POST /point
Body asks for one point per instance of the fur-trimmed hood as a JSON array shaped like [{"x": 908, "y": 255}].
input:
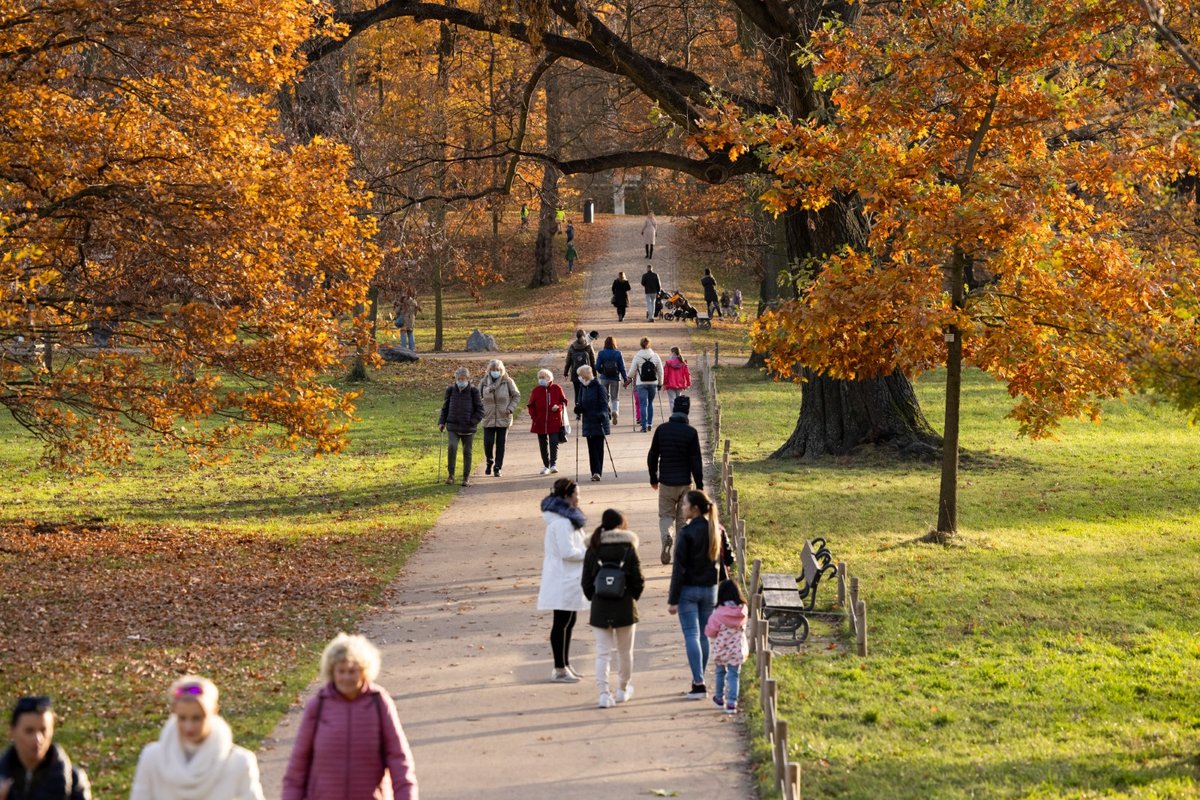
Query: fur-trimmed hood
[{"x": 618, "y": 537}]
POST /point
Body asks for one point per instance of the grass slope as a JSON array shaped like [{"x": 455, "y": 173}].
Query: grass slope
[{"x": 1054, "y": 654}]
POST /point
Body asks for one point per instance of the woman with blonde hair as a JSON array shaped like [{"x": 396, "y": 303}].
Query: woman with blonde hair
[
  {"x": 701, "y": 557},
  {"x": 195, "y": 757},
  {"x": 350, "y": 745},
  {"x": 500, "y": 399}
]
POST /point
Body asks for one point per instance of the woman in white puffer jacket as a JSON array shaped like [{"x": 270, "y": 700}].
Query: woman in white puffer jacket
[{"x": 195, "y": 757}]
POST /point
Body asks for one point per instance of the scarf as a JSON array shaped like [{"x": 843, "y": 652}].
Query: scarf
[
  {"x": 193, "y": 778},
  {"x": 559, "y": 505}
]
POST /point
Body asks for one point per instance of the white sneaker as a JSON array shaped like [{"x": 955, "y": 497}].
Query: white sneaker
[
  {"x": 606, "y": 700},
  {"x": 626, "y": 694},
  {"x": 563, "y": 676},
  {"x": 545, "y": 470},
  {"x": 553, "y": 469}
]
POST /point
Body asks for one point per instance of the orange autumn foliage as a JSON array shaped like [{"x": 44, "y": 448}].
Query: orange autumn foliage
[
  {"x": 1038, "y": 146},
  {"x": 147, "y": 195}
]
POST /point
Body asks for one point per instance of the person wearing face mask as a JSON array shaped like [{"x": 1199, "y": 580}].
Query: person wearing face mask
[
  {"x": 462, "y": 411},
  {"x": 593, "y": 410},
  {"x": 547, "y": 402},
  {"x": 500, "y": 398},
  {"x": 350, "y": 745},
  {"x": 32, "y": 767},
  {"x": 195, "y": 757}
]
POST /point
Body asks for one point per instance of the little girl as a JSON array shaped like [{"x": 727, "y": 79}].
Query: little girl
[{"x": 727, "y": 628}]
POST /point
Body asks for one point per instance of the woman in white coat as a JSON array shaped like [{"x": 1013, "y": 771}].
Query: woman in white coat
[
  {"x": 649, "y": 230},
  {"x": 195, "y": 757},
  {"x": 562, "y": 568}
]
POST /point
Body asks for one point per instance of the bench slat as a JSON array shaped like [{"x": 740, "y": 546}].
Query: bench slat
[
  {"x": 781, "y": 599},
  {"x": 778, "y": 580}
]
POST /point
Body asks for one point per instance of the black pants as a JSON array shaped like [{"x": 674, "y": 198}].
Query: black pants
[
  {"x": 621, "y": 313},
  {"x": 649, "y": 251},
  {"x": 578, "y": 384},
  {"x": 548, "y": 444},
  {"x": 596, "y": 454},
  {"x": 494, "y": 439},
  {"x": 560, "y": 637}
]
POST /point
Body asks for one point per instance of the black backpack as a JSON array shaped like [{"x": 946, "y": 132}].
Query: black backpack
[
  {"x": 648, "y": 372},
  {"x": 578, "y": 358},
  {"x": 611, "y": 369},
  {"x": 609, "y": 582}
]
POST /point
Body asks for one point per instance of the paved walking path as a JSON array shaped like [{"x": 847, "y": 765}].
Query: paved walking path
[{"x": 466, "y": 652}]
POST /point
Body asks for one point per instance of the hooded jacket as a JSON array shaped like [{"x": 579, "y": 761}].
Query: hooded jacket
[
  {"x": 462, "y": 409},
  {"x": 217, "y": 770},
  {"x": 343, "y": 747},
  {"x": 727, "y": 628},
  {"x": 562, "y": 561},
  {"x": 56, "y": 778},
  {"x": 613, "y": 547},
  {"x": 676, "y": 374},
  {"x": 582, "y": 346},
  {"x": 646, "y": 354},
  {"x": 675, "y": 458},
  {"x": 692, "y": 566},
  {"x": 500, "y": 399}
]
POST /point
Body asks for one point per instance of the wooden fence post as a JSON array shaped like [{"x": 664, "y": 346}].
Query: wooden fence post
[
  {"x": 792, "y": 786},
  {"x": 770, "y": 690},
  {"x": 841, "y": 573},
  {"x": 861, "y": 608},
  {"x": 780, "y": 750},
  {"x": 854, "y": 590}
]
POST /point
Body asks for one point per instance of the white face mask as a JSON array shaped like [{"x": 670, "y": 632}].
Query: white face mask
[
  {"x": 461, "y": 384},
  {"x": 495, "y": 374},
  {"x": 543, "y": 382}
]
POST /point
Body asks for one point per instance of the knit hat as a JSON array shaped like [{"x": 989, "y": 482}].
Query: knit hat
[{"x": 682, "y": 404}]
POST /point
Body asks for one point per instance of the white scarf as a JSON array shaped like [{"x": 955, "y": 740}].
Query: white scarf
[{"x": 194, "y": 778}]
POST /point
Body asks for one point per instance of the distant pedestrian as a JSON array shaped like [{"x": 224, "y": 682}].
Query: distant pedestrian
[
  {"x": 462, "y": 411},
  {"x": 547, "y": 407},
  {"x": 562, "y": 568},
  {"x": 195, "y": 756},
  {"x": 649, "y": 233},
  {"x": 677, "y": 378},
  {"x": 33, "y": 767},
  {"x": 570, "y": 231},
  {"x": 572, "y": 254},
  {"x": 350, "y": 745},
  {"x": 524, "y": 214},
  {"x": 651, "y": 286},
  {"x": 647, "y": 372},
  {"x": 620, "y": 295},
  {"x": 711, "y": 301},
  {"x": 737, "y": 301},
  {"x": 580, "y": 353},
  {"x": 613, "y": 619},
  {"x": 592, "y": 409},
  {"x": 610, "y": 367},
  {"x": 560, "y": 219},
  {"x": 676, "y": 464},
  {"x": 406, "y": 310},
  {"x": 500, "y": 397},
  {"x": 729, "y": 648},
  {"x": 701, "y": 558}
]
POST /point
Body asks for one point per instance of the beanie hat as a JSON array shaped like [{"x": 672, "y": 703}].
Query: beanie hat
[{"x": 682, "y": 404}]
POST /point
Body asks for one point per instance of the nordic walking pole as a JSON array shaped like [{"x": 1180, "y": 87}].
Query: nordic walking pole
[
  {"x": 438, "y": 477},
  {"x": 577, "y": 435},
  {"x": 611, "y": 460}
]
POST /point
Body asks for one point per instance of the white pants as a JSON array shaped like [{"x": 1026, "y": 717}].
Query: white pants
[{"x": 610, "y": 643}]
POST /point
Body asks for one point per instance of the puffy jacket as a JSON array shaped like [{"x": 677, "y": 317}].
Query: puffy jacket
[
  {"x": 462, "y": 409},
  {"x": 544, "y": 419},
  {"x": 56, "y": 778},
  {"x": 500, "y": 399},
  {"x": 593, "y": 405},
  {"x": 675, "y": 458},
  {"x": 584, "y": 347},
  {"x": 344, "y": 746},
  {"x": 676, "y": 374},
  {"x": 650, "y": 281},
  {"x": 727, "y": 628},
  {"x": 562, "y": 562},
  {"x": 692, "y": 566},
  {"x": 610, "y": 356},
  {"x": 613, "y": 547},
  {"x": 217, "y": 770}
]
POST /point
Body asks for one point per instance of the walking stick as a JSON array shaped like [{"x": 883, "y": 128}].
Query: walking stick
[
  {"x": 578, "y": 433},
  {"x": 611, "y": 460},
  {"x": 438, "y": 476}
]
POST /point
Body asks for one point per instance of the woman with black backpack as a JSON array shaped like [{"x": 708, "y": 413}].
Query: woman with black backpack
[
  {"x": 612, "y": 580},
  {"x": 579, "y": 354},
  {"x": 610, "y": 367}
]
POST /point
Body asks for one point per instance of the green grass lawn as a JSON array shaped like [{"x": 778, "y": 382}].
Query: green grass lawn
[{"x": 1054, "y": 653}]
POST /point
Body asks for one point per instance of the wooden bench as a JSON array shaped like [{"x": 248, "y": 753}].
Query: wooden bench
[
  {"x": 788, "y": 601},
  {"x": 703, "y": 321}
]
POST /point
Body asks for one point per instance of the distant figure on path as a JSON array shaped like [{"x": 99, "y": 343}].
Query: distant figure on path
[
  {"x": 350, "y": 745},
  {"x": 649, "y": 233},
  {"x": 676, "y": 464},
  {"x": 651, "y": 286},
  {"x": 547, "y": 405},
  {"x": 593, "y": 410},
  {"x": 572, "y": 254},
  {"x": 524, "y": 214},
  {"x": 711, "y": 300},
  {"x": 560, "y": 218},
  {"x": 195, "y": 756},
  {"x": 677, "y": 378},
  {"x": 33, "y": 767},
  {"x": 500, "y": 397},
  {"x": 570, "y": 231},
  {"x": 579, "y": 354},
  {"x": 620, "y": 295},
  {"x": 613, "y": 619},
  {"x": 562, "y": 567},
  {"x": 610, "y": 367},
  {"x": 462, "y": 411},
  {"x": 727, "y": 628},
  {"x": 406, "y": 320},
  {"x": 647, "y": 372}
]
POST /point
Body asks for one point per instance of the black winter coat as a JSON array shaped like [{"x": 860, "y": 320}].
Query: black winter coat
[
  {"x": 593, "y": 405},
  {"x": 692, "y": 566},
  {"x": 650, "y": 282},
  {"x": 675, "y": 458},
  {"x": 585, "y": 349},
  {"x": 462, "y": 409},
  {"x": 613, "y": 547},
  {"x": 56, "y": 778},
  {"x": 620, "y": 293}
]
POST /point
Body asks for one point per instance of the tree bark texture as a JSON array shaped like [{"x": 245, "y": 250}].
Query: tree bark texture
[{"x": 948, "y": 495}]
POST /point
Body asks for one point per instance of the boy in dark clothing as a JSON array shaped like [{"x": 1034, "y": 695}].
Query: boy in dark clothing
[{"x": 33, "y": 767}]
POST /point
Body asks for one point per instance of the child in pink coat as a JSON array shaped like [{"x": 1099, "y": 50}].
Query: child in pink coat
[{"x": 727, "y": 628}]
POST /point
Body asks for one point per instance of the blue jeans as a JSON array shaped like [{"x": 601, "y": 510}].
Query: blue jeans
[
  {"x": 728, "y": 676},
  {"x": 696, "y": 604},
  {"x": 406, "y": 340},
  {"x": 645, "y": 400}
]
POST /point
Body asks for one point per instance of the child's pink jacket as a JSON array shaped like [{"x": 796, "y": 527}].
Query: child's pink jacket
[{"x": 727, "y": 628}]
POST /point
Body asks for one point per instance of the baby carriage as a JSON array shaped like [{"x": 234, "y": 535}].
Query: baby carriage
[{"x": 676, "y": 307}]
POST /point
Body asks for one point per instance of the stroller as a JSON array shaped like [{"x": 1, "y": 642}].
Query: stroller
[{"x": 675, "y": 306}]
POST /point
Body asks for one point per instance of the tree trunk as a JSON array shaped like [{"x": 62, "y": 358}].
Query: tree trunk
[
  {"x": 773, "y": 264},
  {"x": 543, "y": 249},
  {"x": 445, "y": 52},
  {"x": 947, "y": 524}
]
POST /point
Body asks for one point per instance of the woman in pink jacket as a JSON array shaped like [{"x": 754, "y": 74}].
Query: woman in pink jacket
[{"x": 350, "y": 745}]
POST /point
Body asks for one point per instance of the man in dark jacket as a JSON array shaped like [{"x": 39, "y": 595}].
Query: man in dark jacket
[
  {"x": 580, "y": 353},
  {"x": 652, "y": 287},
  {"x": 675, "y": 463},
  {"x": 462, "y": 411},
  {"x": 33, "y": 767}
]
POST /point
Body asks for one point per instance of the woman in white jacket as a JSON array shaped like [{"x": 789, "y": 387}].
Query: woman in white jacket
[
  {"x": 195, "y": 757},
  {"x": 562, "y": 567}
]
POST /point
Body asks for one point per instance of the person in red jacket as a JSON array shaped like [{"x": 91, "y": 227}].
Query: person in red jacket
[
  {"x": 546, "y": 406},
  {"x": 350, "y": 745},
  {"x": 677, "y": 378}
]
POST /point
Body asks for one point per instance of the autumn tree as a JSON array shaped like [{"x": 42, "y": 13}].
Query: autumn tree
[{"x": 166, "y": 258}]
